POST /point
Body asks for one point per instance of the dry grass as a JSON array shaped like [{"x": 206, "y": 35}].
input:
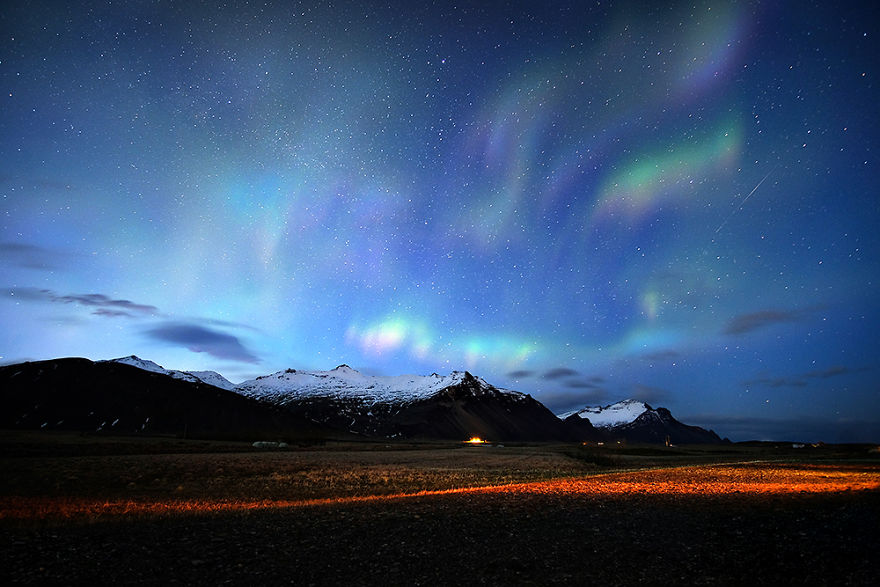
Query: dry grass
[
  {"x": 755, "y": 479},
  {"x": 134, "y": 512},
  {"x": 97, "y": 487},
  {"x": 299, "y": 474},
  {"x": 46, "y": 487}
]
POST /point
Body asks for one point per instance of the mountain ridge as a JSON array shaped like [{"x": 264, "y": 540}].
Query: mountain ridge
[
  {"x": 636, "y": 421},
  {"x": 343, "y": 382},
  {"x": 209, "y": 377},
  {"x": 78, "y": 394},
  {"x": 340, "y": 401}
]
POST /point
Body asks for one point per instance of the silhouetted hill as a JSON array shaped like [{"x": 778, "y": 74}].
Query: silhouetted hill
[{"x": 78, "y": 394}]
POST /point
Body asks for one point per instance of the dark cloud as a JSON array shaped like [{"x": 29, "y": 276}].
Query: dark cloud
[
  {"x": 31, "y": 256},
  {"x": 834, "y": 371},
  {"x": 112, "y": 313},
  {"x": 231, "y": 324},
  {"x": 740, "y": 429},
  {"x": 29, "y": 294},
  {"x": 801, "y": 380},
  {"x": 562, "y": 401},
  {"x": 748, "y": 322},
  {"x": 203, "y": 340},
  {"x": 522, "y": 374},
  {"x": 558, "y": 373},
  {"x": 104, "y": 305},
  {"x": 581, "y": 384},
  {"x": 650, "y": 394},
  {"x": 778, "y": 382},
  {"x": 102, "y": 301}
]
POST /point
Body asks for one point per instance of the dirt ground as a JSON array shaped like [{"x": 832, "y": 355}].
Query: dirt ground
[{"x": 548, "y": 518}]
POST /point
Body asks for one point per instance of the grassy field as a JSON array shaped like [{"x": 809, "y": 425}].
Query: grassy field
[
  {"x": 49, "y": 476},
  {"x": 102, "y": 508}
]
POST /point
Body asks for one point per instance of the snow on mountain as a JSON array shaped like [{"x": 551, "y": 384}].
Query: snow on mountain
[
  {"x": 343, "y": 382},
  {"x": 140, "y": 363},
  {"x": 209, "y": 377},
  {"x": 617, "y": 414}
]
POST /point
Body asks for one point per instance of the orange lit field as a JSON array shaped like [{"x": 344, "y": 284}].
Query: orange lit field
[
  {"x": 100, "y": 511},
  {"x": 745, "y": 478}
]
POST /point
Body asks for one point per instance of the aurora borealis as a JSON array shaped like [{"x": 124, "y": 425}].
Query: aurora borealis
[{"x": 582, "y": 201}]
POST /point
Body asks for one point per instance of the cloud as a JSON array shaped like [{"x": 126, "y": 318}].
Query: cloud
[
  {"x": 521, "y": 374},
  {"x": 558, "y": 373},
  {"x": 650, "y": 394},
  {"x": 111, "y": 313},
  {"x": 581, "y": 384},
  {"x": 102, "y": 301},
  {"x": 29, "y": 256},
  {"x": 229, "y": 324},
  {"x": 777, "y": 382},
  {"x": 29, "y": 294},
  {"x": 801, "y": 380},
  {"x": 745, "y": 323},
  {"x": 560, "y": 402},
  {"x": 834, "y": 371},
  {"x": 743, "y": 428},
  {"x": 104, "y": 305},
  {"x": 203, "y": 340}
]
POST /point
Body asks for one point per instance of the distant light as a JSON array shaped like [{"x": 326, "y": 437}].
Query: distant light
[{"x": 475, "y": 440}]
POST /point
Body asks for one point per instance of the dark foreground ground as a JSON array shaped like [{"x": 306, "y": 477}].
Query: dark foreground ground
[
  {"x": 474, "y": 540},
  {"x": 515, "y": 538}
]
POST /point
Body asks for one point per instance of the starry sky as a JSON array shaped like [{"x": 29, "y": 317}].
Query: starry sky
[{"x": 584, "y": 201}]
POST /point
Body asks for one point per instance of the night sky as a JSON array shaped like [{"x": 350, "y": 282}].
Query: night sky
[{"x": 585, "y": 201}]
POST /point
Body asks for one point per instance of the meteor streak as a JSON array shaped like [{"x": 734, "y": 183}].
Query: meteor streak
[{"x": 746, "y": 199}]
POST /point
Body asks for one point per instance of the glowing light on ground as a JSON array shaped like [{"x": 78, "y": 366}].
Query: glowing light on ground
[{"x": 709, "y": 480}]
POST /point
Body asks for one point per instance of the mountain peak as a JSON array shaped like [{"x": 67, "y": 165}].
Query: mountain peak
[
  {"x": 622, "y": 412},
  {"x": 208, "y": 377},
  {"x": 136, "y": 361},
  {"x": 344, "y": 383}
]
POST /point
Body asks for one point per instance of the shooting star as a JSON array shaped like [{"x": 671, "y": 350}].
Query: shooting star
[{"x": 746, "y": 199}]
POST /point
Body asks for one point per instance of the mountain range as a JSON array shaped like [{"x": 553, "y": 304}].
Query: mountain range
[{"x": 131, "y": 395}]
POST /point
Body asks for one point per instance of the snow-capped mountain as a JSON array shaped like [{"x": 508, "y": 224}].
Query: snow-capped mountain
[
  {"x": 454, "y": 406},
  {"x": 610, "y": 416},
  {"x": 636, "y": 421},
  {"x": 209, "y": 377},
  {"x": 131, "y": 394},
  {"x": 345, "y": 383}
]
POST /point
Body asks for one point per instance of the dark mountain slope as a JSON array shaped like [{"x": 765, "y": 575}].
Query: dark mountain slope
[
  {"x": 657, "y": 425},
  {"x": 78, "y": 394},
  {"x": 471, "y": 408}
]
